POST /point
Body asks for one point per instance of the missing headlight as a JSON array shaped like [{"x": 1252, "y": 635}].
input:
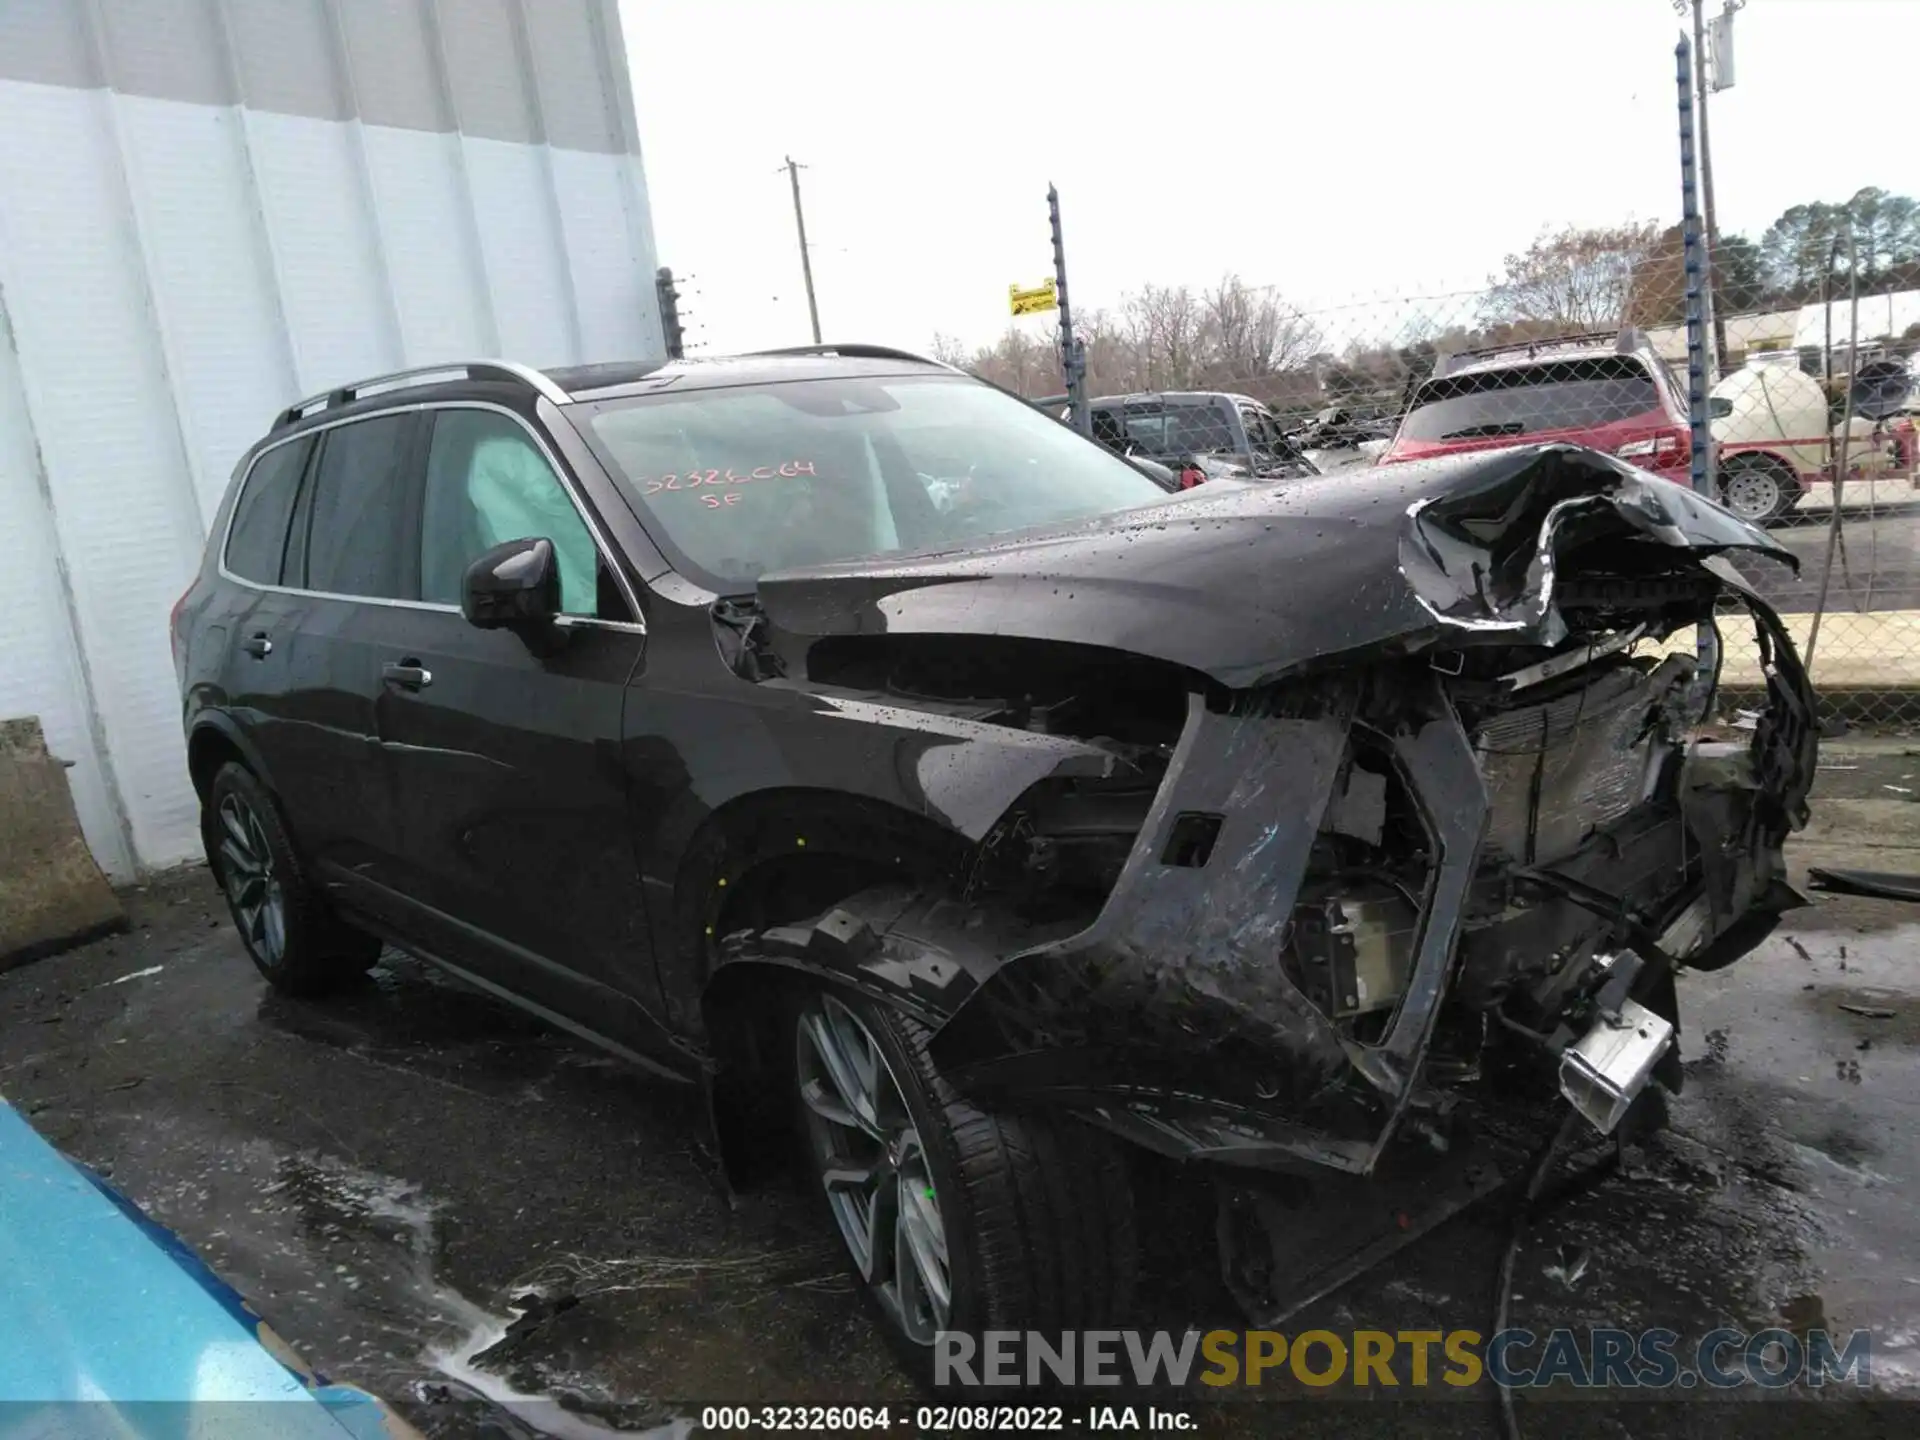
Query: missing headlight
[{"x": 1350, "y": 947}]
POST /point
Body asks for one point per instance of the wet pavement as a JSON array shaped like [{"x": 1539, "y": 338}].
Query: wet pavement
[
  {"x": 1876, "y": 565},
  {"x": 434, "y": 1196}
]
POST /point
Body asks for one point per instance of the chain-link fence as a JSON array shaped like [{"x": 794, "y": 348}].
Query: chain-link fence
[{"x": 1581, "y": 337}]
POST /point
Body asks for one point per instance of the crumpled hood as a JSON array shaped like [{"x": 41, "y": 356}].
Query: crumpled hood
[{"x": 1242, "y": 583}]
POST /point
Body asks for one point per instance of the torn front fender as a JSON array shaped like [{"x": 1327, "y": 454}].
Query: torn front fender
[
  {"x": 1483, "y": 555},
  {"x": 1175, "y": 991}
]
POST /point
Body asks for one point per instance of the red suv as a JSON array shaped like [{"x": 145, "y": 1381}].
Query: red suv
[{"x": 1612, "y": 392}]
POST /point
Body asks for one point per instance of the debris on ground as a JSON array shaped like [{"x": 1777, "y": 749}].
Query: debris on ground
[
  {"x": 1570, "y": 1266},
  {"x": 1868, "y": 1012},
  {"x": 1874, "y": 884}
]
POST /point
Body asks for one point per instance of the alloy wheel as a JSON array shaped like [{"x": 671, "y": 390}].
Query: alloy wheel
[
  {"x": 253, "y": 887},
  {"x": 870, "y": 1159},
  {"x": 1752, "y": 493}
]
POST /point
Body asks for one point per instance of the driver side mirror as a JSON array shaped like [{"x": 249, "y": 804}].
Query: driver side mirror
[{"x": 515, "y": 586}]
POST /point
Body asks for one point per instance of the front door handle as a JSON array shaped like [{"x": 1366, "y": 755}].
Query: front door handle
[
  {"x": 407, "y": 674},
  {"x": 257, "y": 645}
]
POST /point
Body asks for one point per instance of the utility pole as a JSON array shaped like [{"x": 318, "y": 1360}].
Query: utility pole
[
  {"x": 1694, "y": 266},
  {"x": 1706, "y": 640},
  {"x": 1073, "y": 355},
  {"x": 806, "y": 260}
]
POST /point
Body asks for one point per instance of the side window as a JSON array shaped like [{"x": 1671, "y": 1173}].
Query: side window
[
  {"x": 357, "y": 531},
  {"x": 488, "y": 483},
  {"x": 257, "y": 538},
  {"x": 1217, "y": 432}
]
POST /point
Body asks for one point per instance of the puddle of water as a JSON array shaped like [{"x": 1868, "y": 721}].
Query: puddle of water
[
  {"x": 540, "y": 1412},
  {"x": 338, "y": 1203}
]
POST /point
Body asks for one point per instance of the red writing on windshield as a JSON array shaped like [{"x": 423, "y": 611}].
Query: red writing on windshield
[{"x": 695, "y": 479}]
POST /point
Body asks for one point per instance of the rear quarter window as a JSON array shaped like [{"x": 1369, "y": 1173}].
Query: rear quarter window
[
  {"x": 360, "y": 532},
  {"x": 1531, "y": 399},
  {"x": 257, "y": 538}
]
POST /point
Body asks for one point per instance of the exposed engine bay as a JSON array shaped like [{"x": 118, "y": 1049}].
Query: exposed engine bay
[{"x": 1314, "y": 899}]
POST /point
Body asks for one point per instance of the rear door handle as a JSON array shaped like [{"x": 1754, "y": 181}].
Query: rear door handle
[
  {"x": 257, "y": 645},
  {"x": 407, "y": 674}
]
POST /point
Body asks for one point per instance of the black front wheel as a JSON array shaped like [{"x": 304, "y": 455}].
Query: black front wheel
[
  {"x": 953, "y": 1217},
  {"x": 291, "y": 933}
]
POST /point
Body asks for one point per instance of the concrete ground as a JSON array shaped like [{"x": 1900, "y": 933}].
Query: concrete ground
[
  {"x": 436, "y": 1197},
  {"x": 1876, "y": 564}
]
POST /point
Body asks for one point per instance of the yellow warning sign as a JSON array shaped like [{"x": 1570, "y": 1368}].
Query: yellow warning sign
[{"x": 1034, "y": 301}]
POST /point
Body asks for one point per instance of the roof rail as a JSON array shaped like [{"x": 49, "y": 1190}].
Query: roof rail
[
  {"x": 856, "y": 350},
  {"x": 1624, "y": 342},
  {"x": 471, "y": 369}
]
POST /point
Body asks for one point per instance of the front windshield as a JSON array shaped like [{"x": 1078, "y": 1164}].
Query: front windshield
[{"x": 753, "y": 478}]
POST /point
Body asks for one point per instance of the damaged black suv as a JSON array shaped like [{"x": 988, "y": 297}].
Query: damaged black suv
[{"x": 838, "y": 733}]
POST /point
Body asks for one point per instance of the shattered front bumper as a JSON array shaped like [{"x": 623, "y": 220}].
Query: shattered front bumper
[{"x": 1169, "y": 1019}]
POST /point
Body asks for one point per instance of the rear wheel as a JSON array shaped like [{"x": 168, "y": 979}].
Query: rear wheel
[
  {"x": 1758, "y": 488},
  {"x": 291, "y": 934},
  {"x": 954, "y": 1217}
]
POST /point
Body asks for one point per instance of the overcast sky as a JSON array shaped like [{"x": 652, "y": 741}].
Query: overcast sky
[{"x": 1340, "y": 150}]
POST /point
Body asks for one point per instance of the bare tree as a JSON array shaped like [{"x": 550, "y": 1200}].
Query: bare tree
[
  {"x": 1164, "y": 338},
  {"x": 1163, "y": 328},
  {"x": 1250, "y": 335},
  {"x": 951, "y": 350},
  {"x": 1112, "y": 367},
  {"x": 1571, "y": 279},
  {"x": 1024, "y": 363}
]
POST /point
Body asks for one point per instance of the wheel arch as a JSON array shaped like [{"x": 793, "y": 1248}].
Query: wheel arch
[
  {"x": 776, "y": 856},
  {"x": 213, "y": 741},
  {"x": 918, "y": 949},
  {"x": 746, "y": 1009}
]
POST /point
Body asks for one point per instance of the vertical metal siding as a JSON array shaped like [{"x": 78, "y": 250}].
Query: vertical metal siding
[{"x": 210, "y": 207}]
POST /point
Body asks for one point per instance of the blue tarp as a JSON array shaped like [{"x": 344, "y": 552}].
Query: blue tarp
[{"x": 110, "y": 1326}]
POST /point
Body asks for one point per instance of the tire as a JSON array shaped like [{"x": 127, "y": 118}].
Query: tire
[
  {"x": 1036, "y": 1212},
  {"x": 291, "y": 934},
  {"x": 1758, "y": 489}
]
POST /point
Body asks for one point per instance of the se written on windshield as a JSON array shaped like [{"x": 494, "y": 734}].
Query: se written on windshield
[{"x": 697, "y": 479}]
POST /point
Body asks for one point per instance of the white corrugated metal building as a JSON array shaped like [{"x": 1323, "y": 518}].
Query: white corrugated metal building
[{"x": 209, "y": 208}]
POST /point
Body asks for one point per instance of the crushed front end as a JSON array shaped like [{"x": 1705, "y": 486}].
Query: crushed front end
[{"x": 1468, "y": 855}]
